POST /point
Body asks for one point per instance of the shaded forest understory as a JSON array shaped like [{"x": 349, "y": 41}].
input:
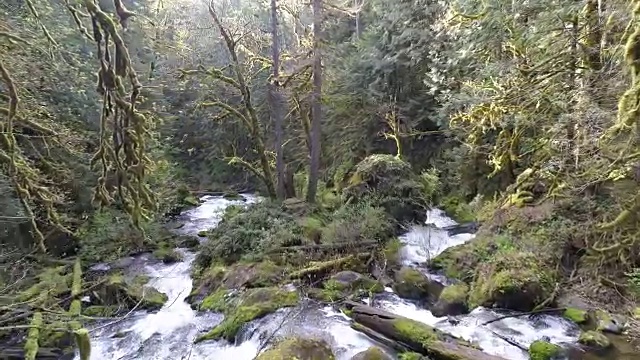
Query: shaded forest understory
[{"x": 351, "y": 118}]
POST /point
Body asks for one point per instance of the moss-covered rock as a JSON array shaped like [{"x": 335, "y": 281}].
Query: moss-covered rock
[
  {"x": 119, "y": 290},
  {"x": 411, "y": 284},
  {"x": 611, "y": 323},
  {"x": 460, "y": 262},
  {"x": 543, "y": 350},
  {"x": 191, "y": 200},
  {"x": 167, "y": 255},
  {"x": 298, "y": 349},
  {"x": 232, "y": 195},
  {"x": 512, "y": 280},
  {"x": 594, "y": 339},
  {"x": 411, "y": 356},
  {"x": 236, "y": 276},
  {"x": 576, "y": 315},
  {"x": 100, "y": 311},
  {"x": 389, "y": 182},
  {"x": 372, "y": 353},
  {"x": 457, "y": 209},
  {"x": 241, "y": 308},
  {"x": 346, "y": 284},
  {"x": 452, "y": 301}
]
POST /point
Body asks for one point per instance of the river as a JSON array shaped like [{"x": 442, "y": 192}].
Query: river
[{"x": 169, "y": 333}]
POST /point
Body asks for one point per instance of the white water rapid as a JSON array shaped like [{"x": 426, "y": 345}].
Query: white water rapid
[
  {"x": 422, "y": 243},
  {"x": 168, "y": 334}
]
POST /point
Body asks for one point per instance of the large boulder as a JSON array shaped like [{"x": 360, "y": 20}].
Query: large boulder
[
  {"x": 240, "y": 308},
  {"x": 298, "y": 349},
  {"x": 237, "y": 276},
  {"x": 452, "y": 301},
  {"x": 412, "y": 284},
  {"x": 611, "y": 323},
  {"x": 346, "y": 284},
  {"x": 511, "y": 279},
  {"x": 388, "y": 182},
  {"x": 130, "y": 292},
  {"x": 594, "y": 340}
]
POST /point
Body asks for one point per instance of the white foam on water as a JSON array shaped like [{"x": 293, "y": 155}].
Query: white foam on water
[
  {"x": 168, "y": 334},
  {"x": 421, "y": 244}
]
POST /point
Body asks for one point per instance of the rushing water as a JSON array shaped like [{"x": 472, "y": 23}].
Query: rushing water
[
  {"x": 425, "y": 242},
  {"x": 169, "y": 333}
]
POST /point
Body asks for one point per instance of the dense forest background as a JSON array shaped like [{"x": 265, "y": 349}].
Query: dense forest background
[{"x": 521, "y": 115}]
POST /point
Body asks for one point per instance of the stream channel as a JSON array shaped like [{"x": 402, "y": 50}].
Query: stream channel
[{"x": 168, "y": 334}]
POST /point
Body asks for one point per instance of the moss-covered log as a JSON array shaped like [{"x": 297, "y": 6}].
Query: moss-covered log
[
  {"x": 415, "y": 335},
  {"x": 31, "y": 343}
]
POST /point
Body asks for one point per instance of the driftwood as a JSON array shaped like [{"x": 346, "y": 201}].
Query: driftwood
[
  {"x": 466, "y": 228},
  {"x": 414, "y": 335},
  {"x": 322, "y": 268}
]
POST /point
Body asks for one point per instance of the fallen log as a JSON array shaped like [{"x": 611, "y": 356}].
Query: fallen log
[
  {"x": 415, "y": 335},
  {"x": 321, "y": 269},
  {"x": 327, "y": 247}
]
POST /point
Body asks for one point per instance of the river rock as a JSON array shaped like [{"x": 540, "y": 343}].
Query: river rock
[
  {"x": 240, "y": 308},
  {"x": 611, "y": 323},
  {"x": 236, "y": 276},
  {"x": 512, "y": 280},
  {"x": 412, "y": 284},
  {"x": 594, "y": 339},
  {"x": 544, "y": 350},
  {"x": 452, "y": 301},
  {"x": 118, "y": 290},
  {"x": 346, "y": 284},
  {"x": 298, "y": 349},
  {"x": 353, "y": 280},
  {"x": 372, "y": 353},
  {"x": 578, "y": 316}
]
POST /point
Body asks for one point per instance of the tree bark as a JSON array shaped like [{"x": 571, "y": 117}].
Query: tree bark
[
  {"x": 316, "y": 108},
  {"x": 276, "y": 104}
]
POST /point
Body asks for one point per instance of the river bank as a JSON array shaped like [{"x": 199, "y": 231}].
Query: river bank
[
  {"x": 429, "y": 293},
  {"x": 173, "y": 329}
]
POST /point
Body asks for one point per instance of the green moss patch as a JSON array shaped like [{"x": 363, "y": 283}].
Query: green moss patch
[
  {"x": 410, "y": 283},
  {"x": 452, "y": 301},
  {"x": 578, "y": 316},
  {"x": 594, "y": 339},
  {"x": 245, "y": 307},
  {"x": 346, "y": 284},
  {"x": 372, "y": 353},
  {"x": 298, "y": 349},
  {"x": 543, "y": 350},
  {"x": 513, "y": 280}
]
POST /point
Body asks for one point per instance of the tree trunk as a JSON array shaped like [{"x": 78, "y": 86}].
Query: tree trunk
[
  {"x": 394, "y": 329},
  {"x": 276, "y": 103},
  {"x": 316, "y": 109}
]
